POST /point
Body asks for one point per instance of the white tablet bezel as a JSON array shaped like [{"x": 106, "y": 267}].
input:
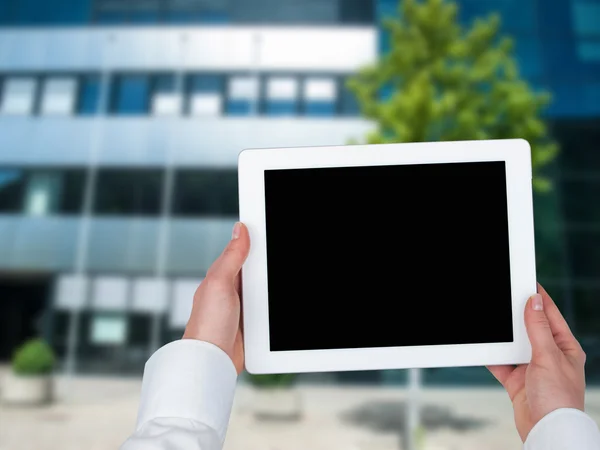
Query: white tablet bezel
[{"x": 252, "y": 163}]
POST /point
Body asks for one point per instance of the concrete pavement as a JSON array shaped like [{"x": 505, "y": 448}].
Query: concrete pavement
[{"x": 99, "y": 413}]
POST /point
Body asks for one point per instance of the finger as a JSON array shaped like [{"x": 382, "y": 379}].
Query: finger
[
  {"x": 563, "y": 336},
  {"x": 228, "y": 265},
  {"x": 538, "y": 326},
  {"x": 502, "y": 373}
]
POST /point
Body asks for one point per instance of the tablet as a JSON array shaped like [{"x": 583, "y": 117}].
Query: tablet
[{"x": 387, "y": 256}]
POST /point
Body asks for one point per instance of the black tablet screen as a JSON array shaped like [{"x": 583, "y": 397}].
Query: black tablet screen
[{"x": 388, "y": 256}]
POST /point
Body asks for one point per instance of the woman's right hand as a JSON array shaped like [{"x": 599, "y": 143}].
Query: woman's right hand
[{"x": 555, "y": 376}]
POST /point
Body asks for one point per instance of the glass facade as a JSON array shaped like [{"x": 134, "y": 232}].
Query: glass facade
[
  {"x": 197, "y": 94},
  {"x": 131, "y": 95},
  {"x": 198, "y": 192},
  {"x": 144, "y": 12},
  {"x": 557, "y": 45},
  {"x": 557, "y": 48}
]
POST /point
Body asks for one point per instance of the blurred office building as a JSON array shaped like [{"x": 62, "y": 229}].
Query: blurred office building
[{"x": 120, "y": 126}]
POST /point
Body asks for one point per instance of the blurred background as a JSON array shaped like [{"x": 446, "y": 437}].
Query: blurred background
[{"x": 120, "y": 126}]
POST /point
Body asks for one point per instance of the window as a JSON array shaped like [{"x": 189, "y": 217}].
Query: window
[
  {"x": 43, "y": 193},
  {"x": 242, "y": 96},
  {"x": 319, "y": 97},
  {"x": 357, "y": 11},
  {"x": 349, "y": 104},
  {"x": 194, "y": 11},
  {"x": 144, "y": 11},
  {"x": 150, "y": 295},
  {"x": 206, "y": 193},
  {"x": 128, "y": 191},
  {"x": 587, "y": 313},
  {"x": 183, "y": 297},
  {"x": 584, "y": 243},
  {"x": 591, "y": 94},
  {"x": 110, "y": 293},
  {"x": 166, "y": 98},
  {"x": 589, "y": 51},
  {"x": 282, "y": 96},
  {"x": 586, "y": 18},
  {"x": 131, "y": 94},
  {"x": 108, "y": 329},
  {"x": 111, "y": 11},
  {"x": 58, "y": 96},
  {"x": 581, "y": 194},
  {"x": 88, "y": 102},
  {"x": 205, "y": 95},
  {"x": 18, "y": 96},
  {"x": 152, "y": 11},
  {"x": 118, "y": 11},
  {"x": 528, "y": 54},
  {"x": 71, "y": 292},
  {"x": 54, "y": 191},
  {"x": 12, "y": 184}
]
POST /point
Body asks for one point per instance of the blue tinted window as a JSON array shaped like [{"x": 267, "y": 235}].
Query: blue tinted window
[
  {"x": 586, "y": 18},
  {"x": 12, "y": 185},
  {"x": 240, "y": 108},
  {"x": 212, "y": 17},
  {"x": 35, "y": 12},
  {"x": 164, "y": 83},
  {"x": 281, "y": 108},
  {"x": 589, "y": 51},
  {"x": 131, "y": 94},
  {"x": 89, "y": 95},
  {"x": 349, "y": 104},
  {"x": 319, "y": 108},
  {"x": 592, "y": 97},
  {"x": 243, "y": 96},
  {"x": 144, "y": 11},
  {"x": 119, "y": 11},
  {"x": 205, "y": 83},
  {"x": 110, "y": 16},
  {"x": 516, "y": 15},
  {"x": 528, "y": 55}
]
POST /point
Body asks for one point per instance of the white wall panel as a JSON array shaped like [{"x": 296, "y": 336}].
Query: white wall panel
[
  {"x": 337, "y": 49},
  {"x": 110, "y": 293},
  {"x": 71, "y": 292},
  {"x": 183, "y": 298},
  {"x": 210, "y": 142},
  {"x": 150, "y": 295}
]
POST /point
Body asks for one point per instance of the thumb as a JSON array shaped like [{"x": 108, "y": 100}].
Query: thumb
[
  {"x": 538, "y": 327},
  {"x": 229, "y": 264}
]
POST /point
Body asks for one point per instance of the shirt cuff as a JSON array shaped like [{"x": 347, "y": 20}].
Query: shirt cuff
[
  {"x": 564, "y": 428},
  {"x": 189, "y": 379}
]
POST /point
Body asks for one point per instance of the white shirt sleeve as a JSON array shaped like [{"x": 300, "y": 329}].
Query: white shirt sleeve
[
  {"x": 187, "y": 394},
  {"x": 564, "y": 429}
]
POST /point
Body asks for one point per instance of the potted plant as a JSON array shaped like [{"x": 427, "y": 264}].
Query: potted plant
[
  {"x": 275, "y": 397},
  {"x": 29, "y": 382}
]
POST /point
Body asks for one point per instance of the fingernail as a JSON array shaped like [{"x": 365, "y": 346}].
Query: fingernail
[
  {"x": 237, "y": 228},
  {"x": 537, "y": 303}
]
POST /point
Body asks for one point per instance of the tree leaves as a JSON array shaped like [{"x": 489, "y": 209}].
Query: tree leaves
[{"x": 442, "y": 82}]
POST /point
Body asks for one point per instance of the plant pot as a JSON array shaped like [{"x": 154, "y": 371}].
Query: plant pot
[
  {"x": 27, "y": 390},
  {"x": 277, "y": 404}
]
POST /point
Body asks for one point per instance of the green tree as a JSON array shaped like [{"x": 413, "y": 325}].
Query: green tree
[{"x": 441, "y": 82}]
